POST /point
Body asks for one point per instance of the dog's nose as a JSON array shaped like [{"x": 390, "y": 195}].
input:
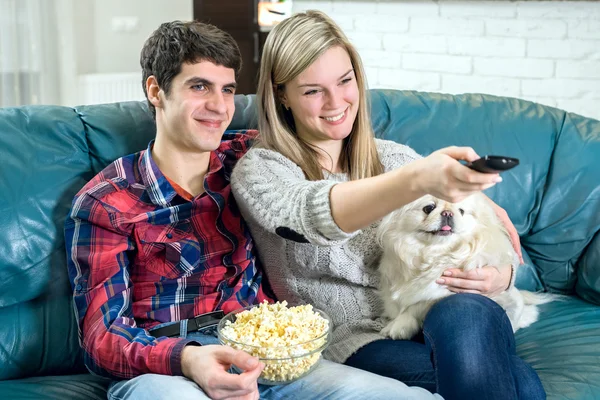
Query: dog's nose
[{"x": 447, "y": 213}]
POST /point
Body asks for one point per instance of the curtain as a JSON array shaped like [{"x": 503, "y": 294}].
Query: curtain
[{"x": 29, "y": 63}]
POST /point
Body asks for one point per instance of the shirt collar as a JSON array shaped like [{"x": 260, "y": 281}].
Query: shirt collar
[{"x": 158, "y": 187}]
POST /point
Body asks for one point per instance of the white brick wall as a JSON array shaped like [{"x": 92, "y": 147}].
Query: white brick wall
[{"x": 544, "y": 51}]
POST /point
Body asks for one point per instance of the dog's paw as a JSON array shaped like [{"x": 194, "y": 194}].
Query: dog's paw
[{"x": 402, "y": 327}]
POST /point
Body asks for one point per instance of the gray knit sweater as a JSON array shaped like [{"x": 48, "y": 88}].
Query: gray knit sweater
[{"x": 306, "y": 256}]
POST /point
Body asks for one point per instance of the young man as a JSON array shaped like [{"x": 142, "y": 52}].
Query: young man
[{"x": 155, "y": 243}]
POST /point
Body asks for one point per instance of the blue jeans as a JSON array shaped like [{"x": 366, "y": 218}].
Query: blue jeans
[
  {"x": 467, "y": 351},
  {"x": 328, "y": 381}
]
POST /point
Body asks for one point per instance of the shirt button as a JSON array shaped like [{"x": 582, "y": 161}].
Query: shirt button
[
  {"x": 169, "y": 236},
  {"x": 78, "y": 287}
]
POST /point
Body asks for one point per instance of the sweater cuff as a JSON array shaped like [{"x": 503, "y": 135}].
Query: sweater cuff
[
  {"x": 513, "y": 270},
  {"x": 512, "y": 277},
  {"x": 321, "y": 218},
  {"x": 174, "y": 359}
]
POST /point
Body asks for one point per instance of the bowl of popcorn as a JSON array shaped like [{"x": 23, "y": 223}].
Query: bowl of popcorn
[{"x": 288, "y": 340}]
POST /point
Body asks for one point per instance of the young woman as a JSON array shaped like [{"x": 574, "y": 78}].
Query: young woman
[{"x": 313, "y": 191}]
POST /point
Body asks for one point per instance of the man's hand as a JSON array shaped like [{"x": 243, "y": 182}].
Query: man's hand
[
  {"x": 488, "y": 281},
  {"x": 208, "y": 366}
]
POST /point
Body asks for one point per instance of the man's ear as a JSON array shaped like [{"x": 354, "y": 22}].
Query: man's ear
[{"x": 154, "y": 91}]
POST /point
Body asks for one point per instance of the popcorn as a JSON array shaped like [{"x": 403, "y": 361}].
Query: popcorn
[{"x": 288, "y": 340}]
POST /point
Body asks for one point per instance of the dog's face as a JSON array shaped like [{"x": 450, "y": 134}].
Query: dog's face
[{"x": 434, "y": 221}]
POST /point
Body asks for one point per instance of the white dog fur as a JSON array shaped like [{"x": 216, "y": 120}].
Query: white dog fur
[{"x": 424, "y": 238}]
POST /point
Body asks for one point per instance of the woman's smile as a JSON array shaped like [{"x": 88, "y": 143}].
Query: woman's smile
[{"x": 337, "y": 119}]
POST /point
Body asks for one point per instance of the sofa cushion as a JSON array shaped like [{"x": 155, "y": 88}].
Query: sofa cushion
[
  {"x": 115, "y": 130},
  {"x": 44, "y": 163},
  {"x": 564, "y": 348},
  {"x": 588, "y": 272},
  {"x": 74, "y": 387},
  {"x": 569, "y": 213}
]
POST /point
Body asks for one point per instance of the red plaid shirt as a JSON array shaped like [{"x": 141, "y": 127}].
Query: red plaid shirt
[{"x": 140, "y": 254}]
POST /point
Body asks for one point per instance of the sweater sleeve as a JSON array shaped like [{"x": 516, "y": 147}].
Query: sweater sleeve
[
  {"x": 394, "y": 155},
  {"x": 273, "y": 192}
]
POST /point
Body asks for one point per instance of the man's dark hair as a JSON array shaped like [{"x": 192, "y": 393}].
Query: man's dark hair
[{"x": 175, "y": 43}]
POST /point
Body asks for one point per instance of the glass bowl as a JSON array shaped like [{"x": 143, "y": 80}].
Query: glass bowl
[{"x": 283, "y": 363}]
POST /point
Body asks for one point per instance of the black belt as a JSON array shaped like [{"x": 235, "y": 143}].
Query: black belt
[{"x": 196, "y": 323}]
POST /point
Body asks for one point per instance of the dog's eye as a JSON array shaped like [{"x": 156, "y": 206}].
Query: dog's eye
[
  {"x": 428, "y": 209},
  {"x": 462, "y": 212}
]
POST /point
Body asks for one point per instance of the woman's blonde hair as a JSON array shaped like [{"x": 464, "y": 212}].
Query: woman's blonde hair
[{"x": 291, "y": 47}]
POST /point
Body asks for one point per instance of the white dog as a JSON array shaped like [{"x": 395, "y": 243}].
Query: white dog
[{"x": 424, "y": 238}]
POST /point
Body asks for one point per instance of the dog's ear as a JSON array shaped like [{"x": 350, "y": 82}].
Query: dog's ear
[
  {"x": 384, "y": 227},
  {"x": 386, "y": 230}
]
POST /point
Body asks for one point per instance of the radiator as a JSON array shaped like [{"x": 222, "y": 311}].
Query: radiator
[{"x": 109, "y": 88}]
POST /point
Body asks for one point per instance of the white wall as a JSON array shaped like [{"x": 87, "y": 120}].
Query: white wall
[
  {"x": 118, "y": 46},
  {"x": 547, "y": 51},
  {"x": 76, "y": 44},
  {"x": 105, "y": 37},
  {"x": 96, "y": 40}
]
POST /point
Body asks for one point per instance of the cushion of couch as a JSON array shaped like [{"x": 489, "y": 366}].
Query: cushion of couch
[
  {"x": 73, "y": 387},
  {"x": 564, "y": 348},
  {"x": 569, "y": 212},
  {"x": 44, "y": 163},
  {"x": 116, "y": 129},
  {"x": 588, "y": 272}
]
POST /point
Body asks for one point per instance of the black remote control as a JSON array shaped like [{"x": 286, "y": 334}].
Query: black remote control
[{"x": 493, "y": 164}]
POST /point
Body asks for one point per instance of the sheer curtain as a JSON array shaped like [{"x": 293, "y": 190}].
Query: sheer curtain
[{"x": 29, "y": 63}]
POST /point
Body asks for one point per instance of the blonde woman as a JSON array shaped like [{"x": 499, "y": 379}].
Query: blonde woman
[{"x": 313, "y": 191}]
